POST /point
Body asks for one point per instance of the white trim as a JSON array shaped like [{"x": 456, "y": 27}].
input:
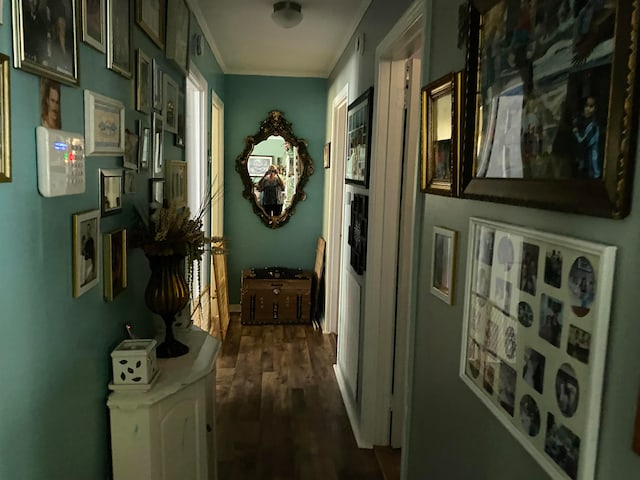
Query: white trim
[
  {"x": 194, "y": 5},
  {"x": 384, "y": 204},
  {"x": 336, "y": 202},
  {"x": 351, "y": 409}
]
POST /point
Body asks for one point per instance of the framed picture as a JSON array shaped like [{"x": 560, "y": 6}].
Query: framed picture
[
  {"x": 32, "y": 51},
  {"x": 177, "y": 38},
  {"x": 115, "y": 263},
  {"x": 157, "y": 144},
  {"x": 156, "y": 192},
  {"x": 1, "y": 17},
  {"x": 550, "y": 120},
  {"x": 103, "y": 124},
  {"x": 50, "y": 105},
  {"x": 119, "y": 37},
  {"x": 157, "y": 86},
  {"x": 86, "y": 263},
  {"x": 357, "y": 235},
  {"x": 257, "y": 165},
  {"x": 131, "y": 158},
  {"x": 179, "y": 140},
  {"x": 144, "y": 76},
  {"x": 111, "y": 188},
  {"x": 144, "y": 144},
  {"x": 5, "y": 120},
  {"x": 150, "y": 18},
  {"x": 443, "y": 258},
  {"x": 170, "y": 108},
  {"x": 534, "y": 339},
  {"x": 327, "y": 155},
  {"x": 93, "y": 23},
  {"x": 359, "y": 119},
  {"x": 178, "y": 196},
  {"x": 440, "y": 135}
]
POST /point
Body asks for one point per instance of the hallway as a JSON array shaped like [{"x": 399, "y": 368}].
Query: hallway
[{"x": 279, "y": 411}]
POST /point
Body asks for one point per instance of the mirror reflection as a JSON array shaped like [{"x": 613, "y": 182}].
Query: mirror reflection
[{"x": 274, "y": 168}]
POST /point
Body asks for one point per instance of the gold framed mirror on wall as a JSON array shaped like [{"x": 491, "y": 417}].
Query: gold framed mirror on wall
[{"x": 274, "y": 166}]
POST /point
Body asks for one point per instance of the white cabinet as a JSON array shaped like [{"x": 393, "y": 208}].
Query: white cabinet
[{"x": 168, "y": 432}]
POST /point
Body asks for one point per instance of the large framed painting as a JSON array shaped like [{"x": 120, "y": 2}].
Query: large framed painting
[
  {"x": 119, "y": 48},
  {"x": 550, "y": 107},
  {"x": 177, "y": 38},
  {"x": 150, "y": 18},
  {"x": 45, "y": 39},
  {"x": 114, "y": 263},
  {"x": 534, "y": 339},
  {"x": 5, "y": 120},
  {"x": 359, "y": 119}
]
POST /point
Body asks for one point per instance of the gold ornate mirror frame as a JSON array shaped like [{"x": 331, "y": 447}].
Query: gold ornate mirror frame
[{"x": 274, "y": 125}]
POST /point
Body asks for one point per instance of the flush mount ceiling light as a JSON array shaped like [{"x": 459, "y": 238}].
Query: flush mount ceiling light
[{"x": 287, "y": 14}]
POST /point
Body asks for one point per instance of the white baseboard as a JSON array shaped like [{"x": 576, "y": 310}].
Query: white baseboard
[{"x": 351, "y": 410}]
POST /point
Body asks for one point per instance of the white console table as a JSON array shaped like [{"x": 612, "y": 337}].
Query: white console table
[{"x": 168, "y": 432}]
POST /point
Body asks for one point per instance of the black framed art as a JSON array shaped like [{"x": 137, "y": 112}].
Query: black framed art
[
  {"x": 549, "y": 105},
  {"x": 359, "y": 119},
  {"x": 358, "y": 232}
]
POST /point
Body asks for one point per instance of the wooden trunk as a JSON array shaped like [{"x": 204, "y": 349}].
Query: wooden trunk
[{"x": 276, "y": 296}]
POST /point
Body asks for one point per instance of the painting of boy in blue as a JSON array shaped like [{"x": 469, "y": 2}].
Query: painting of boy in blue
[{"x": 587, "y": 134}]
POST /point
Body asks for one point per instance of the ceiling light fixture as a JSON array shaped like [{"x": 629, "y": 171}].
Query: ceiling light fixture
[{"x": 287, "y": 14}]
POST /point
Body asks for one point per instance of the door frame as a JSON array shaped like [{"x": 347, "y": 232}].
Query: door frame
[
  {"x": 336, "y": 198},
  {"x": 405, "y": 37}
]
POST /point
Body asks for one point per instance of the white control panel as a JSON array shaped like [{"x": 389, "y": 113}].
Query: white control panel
[{"x": 60, "y": 162}]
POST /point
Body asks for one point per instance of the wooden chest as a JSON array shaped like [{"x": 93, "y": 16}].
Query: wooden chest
[{"x": 274, "y": 295}]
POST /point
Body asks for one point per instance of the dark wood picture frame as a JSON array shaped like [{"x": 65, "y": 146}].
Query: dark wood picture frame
[
  {"x": 440, "y": 135},
  {"x": 359, "y": 120},
  {"x": 357, "y": 235},
  {"x": 553, "y": 173}
]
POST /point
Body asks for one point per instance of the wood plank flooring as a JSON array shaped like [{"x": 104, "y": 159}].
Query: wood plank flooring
[{"x": 279, "y": 410}]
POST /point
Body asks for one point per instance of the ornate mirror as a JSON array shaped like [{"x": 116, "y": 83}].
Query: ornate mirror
[{"x": 274, "y": 168}]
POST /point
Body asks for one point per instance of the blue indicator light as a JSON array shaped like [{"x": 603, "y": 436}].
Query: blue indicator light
[{"x": 60, "y": 145}]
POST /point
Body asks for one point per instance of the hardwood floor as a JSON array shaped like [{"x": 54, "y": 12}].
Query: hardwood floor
[{"x": 279, "y": 411}]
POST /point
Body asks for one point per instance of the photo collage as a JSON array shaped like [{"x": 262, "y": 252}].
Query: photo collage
[{"x": 536, "y": 304}]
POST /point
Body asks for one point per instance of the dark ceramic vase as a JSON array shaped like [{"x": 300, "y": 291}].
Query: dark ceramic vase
[{"x": 167, "y": 293}]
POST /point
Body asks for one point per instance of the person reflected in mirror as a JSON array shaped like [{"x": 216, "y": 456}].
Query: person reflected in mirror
[
  {"x": 50, "y": 104},
  {"x": 271, "y": 187},
  {"x": 587, "y": 134}
]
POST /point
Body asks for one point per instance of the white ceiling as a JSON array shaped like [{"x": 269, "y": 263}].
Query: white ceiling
[{"x": 246, "y": 41}]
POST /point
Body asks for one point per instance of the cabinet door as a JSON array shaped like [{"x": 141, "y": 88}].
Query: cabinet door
[{"x": 183, "y": 443}]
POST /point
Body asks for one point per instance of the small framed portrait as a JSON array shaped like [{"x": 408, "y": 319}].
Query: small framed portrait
[
  {"x": 144, "y": 144},
  {"x": 177, "y": 38},
  {"x": 45, "y": 40},
  {"x": 104, "y": 125},
  {"x": 150, "y": 18},
  {"x": 93, "y": 24},
  {"x": 440, "y": 134},
  {"x": 86, "y": 262},
  {"x": 443, "y": 258},
  {"x": 119, "y": 37},
  {"x": 5, "y": 120},
  {"x": 178, "y": 196},
  {"x": 170, "y": 108},
  {"x": 131, "y": 157},
  {"x": 158, "y": 141},
  {"x": 50, "y": 116},
  {"x": 111, "y": 189},
  {"x": 143, "y": 82},
  {"x": 156, "y": 192},
  {"x": 115, "y": 263},
  {"x": 156, "y": 98}
]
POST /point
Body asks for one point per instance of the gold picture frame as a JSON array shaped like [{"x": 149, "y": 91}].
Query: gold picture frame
[
  {"x": 93, "y": 13},
  {"x": 150, "y": 16},
  {"x": 5, "y": 120},
  {"x": 115, "y": 263},
  {"x": 119, "y": 37},
  {"x": 440, "y": 135}
]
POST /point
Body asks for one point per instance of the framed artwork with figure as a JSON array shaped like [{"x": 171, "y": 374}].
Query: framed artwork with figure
[
  {"x": 93, "y": 14},
  {"x": 86, "y": 245},
  {"x": 114, "y": 263},
  {"x": 45, "y": 39},
  {"x": 550, "y": 104}
]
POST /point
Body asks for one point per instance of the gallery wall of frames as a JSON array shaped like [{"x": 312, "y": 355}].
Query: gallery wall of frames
[{"x": 46, "y": 43}]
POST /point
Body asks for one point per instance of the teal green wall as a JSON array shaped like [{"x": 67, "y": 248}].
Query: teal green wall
[
  {"x": 248, "y": 100},
  {"x": 55, "y": 348}
]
